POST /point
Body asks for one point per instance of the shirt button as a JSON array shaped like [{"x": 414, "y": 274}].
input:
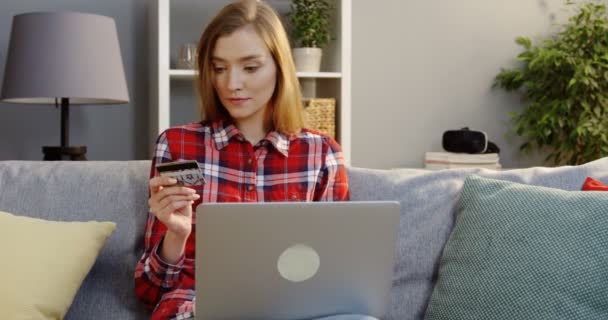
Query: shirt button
[
  {"x": 250, "y": 187},
  {"x": 249, "y": 161},
  {"x": 294, "y": 196}
]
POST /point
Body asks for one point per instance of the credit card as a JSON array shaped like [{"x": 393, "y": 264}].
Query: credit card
[{"x": 187, "y": 172}]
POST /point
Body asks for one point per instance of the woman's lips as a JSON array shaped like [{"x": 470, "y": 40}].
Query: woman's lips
[{"x": 237, "y": 101}]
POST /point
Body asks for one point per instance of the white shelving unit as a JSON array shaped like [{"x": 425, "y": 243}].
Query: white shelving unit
[{"x": 333, "y": 82}]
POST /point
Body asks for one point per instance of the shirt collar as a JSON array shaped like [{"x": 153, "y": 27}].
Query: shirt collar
[
  {"x": 279, "y": 141},
  {"x": 223, "y": 131}
]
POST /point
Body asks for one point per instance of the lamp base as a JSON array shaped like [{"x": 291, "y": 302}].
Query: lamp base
[{"x": 64, "y": 153}]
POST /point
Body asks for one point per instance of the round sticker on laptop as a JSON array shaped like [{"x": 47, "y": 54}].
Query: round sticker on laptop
[{"x": 298, "y": 263}]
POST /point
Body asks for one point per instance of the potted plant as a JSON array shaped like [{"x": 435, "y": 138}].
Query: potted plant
[
  {"x": 564, "y": 81},
  {"x": 309, "y": 21}
]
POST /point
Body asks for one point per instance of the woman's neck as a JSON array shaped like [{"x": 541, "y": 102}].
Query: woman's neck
[{"x": 253, "y": 131}]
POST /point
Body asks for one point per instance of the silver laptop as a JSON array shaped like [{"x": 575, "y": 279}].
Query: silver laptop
[{"x": 299, "y": 260}]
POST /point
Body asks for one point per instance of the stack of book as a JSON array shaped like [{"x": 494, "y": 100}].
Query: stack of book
[{"x": 450, "y": 160}]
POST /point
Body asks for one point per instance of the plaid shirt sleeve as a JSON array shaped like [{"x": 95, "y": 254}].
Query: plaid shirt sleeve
[
  {"x": 333, "y": 182},
  {"x": 160, "y": 285}
]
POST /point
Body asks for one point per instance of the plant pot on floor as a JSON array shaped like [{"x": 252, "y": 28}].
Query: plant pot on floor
[{"x": 307, "y": 59}]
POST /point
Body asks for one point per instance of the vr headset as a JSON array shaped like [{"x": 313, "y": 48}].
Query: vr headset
[{"x": 468, "y": 141}]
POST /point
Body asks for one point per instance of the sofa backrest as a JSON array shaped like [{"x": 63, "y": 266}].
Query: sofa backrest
[{"x": 83, "y": 191}]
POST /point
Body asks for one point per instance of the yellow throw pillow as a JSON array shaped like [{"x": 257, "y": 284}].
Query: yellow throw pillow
[{"x": 43, "y": 263}]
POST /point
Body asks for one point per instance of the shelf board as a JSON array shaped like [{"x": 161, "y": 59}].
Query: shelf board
[
  {"x": 336, "y": 75},
  {"x": 179, "y": 74}
]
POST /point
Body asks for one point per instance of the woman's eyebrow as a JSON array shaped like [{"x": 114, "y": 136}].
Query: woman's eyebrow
[{"x": 243, "y": 59}]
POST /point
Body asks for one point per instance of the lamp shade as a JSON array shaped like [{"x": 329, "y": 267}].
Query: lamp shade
[{"x": 64, "y": 55}]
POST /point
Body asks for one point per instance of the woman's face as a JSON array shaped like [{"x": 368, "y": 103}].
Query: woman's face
[{"x": 244, "y": 74}]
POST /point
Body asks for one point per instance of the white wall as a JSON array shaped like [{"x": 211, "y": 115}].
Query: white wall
[{"x": 422, "y": 67}]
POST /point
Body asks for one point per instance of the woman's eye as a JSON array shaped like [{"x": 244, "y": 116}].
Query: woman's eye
[
  {"x": 251, "y": 68},
  {"x": 218, "y": 69}
]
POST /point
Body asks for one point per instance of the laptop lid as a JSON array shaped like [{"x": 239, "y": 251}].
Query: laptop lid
[{"x": 280, "y": 260}]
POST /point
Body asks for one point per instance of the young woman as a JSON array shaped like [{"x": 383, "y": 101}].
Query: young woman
[{"x": 250, "y": 143}]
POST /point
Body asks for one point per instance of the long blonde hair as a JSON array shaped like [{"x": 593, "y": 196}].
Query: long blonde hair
[{"x": 286, "y": 102}]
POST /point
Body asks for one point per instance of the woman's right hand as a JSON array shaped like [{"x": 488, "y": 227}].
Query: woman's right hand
[{"x": 172, "y": 205}]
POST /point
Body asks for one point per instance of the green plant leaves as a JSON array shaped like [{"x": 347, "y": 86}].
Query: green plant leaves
[
  {"x": 565, "y": 80},
  {"x": 310, "y": 22},
  {"x": 524, "y": 42}
]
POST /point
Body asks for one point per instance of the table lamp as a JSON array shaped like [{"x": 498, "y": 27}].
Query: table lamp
[{"x": 64, "y": 58}]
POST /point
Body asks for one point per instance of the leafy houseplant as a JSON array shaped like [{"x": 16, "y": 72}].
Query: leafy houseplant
[
  {"x": 309, "y": 20},
  {"x": 565, "y": 81}
]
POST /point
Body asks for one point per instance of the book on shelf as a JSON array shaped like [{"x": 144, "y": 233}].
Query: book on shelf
[
  {"x": 451, "y": 157},
  {"x": 450, "y": 160}
]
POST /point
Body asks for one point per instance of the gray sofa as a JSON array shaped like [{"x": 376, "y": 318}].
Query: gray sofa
[{"x": 117, "y": 191}]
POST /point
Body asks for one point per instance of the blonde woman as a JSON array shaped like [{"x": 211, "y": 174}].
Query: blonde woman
[{"x": 250, "y": 130}]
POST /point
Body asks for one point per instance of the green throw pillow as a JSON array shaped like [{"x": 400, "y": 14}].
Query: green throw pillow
[
  {"x": 524, "y": 252},
  {"x": 43, "y": 263}
]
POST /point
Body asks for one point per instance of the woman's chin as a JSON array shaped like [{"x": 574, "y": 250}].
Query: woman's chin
[
  {"x": 243, "y": 113},
  {"x": 239, "y": 116},
  {"x": 235, "y": 114}
]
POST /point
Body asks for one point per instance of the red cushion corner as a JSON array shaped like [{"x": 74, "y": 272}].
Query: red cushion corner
[{"x": 594, "y": 185}]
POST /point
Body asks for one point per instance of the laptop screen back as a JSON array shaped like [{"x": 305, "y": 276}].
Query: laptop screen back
[{"x": 294, "y": 260}]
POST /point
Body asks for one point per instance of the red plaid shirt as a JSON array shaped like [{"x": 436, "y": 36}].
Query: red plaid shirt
[{"x": 308, "y": 167}]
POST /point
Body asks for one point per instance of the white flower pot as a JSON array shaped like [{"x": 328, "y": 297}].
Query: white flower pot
[{"x": 307, "y": 59}]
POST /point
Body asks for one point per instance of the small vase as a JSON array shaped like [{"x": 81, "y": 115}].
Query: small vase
[{"x": 307, "y": 59}]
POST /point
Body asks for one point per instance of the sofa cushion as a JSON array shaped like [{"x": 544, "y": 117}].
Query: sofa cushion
[
  {"x": 524, "y": 252},
  {"x": 427, "y": 202},
  {"x": 44, "y": 263},
  {"x": 114, "y": 191},
  {"x": 594, "y": 185}
]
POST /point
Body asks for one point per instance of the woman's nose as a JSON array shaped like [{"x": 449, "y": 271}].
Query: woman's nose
[{"x": 235, "y": 81}]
